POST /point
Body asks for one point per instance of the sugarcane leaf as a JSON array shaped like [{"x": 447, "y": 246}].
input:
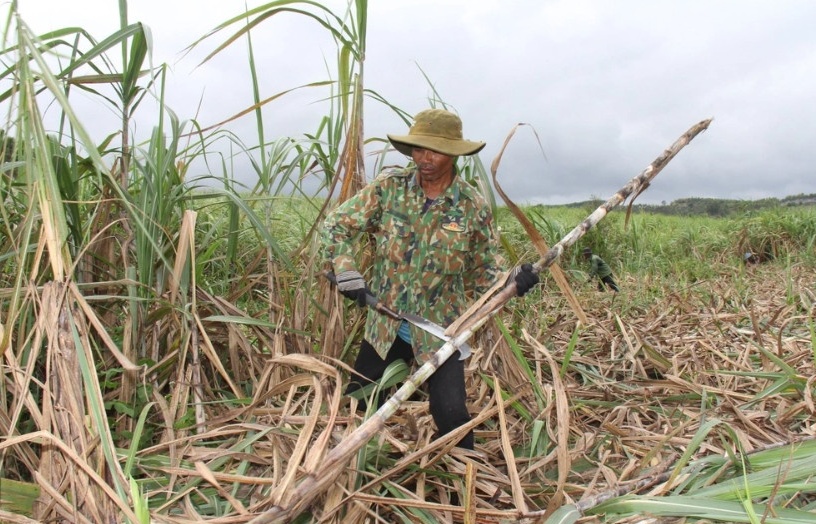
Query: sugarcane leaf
[
  {"x": 568, "y": 514},
  {"x": 711, "y": 509}
]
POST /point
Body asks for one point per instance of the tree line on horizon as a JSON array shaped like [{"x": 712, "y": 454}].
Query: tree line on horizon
[{"x": 713, "y": 207}]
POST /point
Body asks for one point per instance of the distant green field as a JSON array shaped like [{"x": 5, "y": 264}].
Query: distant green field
[{"x": 680, "y": 246}]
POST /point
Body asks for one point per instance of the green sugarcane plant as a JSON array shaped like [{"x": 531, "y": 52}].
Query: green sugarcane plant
[
  {"x": 717, "y": 488},
  {"x": 60, "y": 326}
]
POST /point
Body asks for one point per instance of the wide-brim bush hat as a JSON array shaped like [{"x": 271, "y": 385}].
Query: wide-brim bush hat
[
  {"x": 587, "y": 251},
  {"x": 437, "y": 130}
]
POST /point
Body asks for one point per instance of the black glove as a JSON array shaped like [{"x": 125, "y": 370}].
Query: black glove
[
  {"x": 524, "y": 277},
  {"x": 352, "y": 285}
]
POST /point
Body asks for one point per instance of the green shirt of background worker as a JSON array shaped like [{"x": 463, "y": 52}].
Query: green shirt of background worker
[
  {"x": 435, "y": 249},
  {"x": 599, "y": 268}
]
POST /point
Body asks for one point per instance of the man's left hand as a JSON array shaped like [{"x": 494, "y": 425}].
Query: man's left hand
[{"x": 524, "y": 277}]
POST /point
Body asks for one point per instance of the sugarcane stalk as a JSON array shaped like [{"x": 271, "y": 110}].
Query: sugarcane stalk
[
  {"x": 635, "y": 186},
  {"x": 333, "y": 464},
  {"x": 535, "y": 237}
]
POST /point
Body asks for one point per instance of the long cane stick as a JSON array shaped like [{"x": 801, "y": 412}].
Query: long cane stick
[
  {"x": 635, "y": 186},
  {"x": 333, "y": 464}
]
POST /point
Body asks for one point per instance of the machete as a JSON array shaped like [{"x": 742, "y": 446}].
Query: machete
[{"x": 422, "y": 323}]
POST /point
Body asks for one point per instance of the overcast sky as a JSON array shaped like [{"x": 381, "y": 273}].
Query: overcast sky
[{"x": 607, "y": 86}]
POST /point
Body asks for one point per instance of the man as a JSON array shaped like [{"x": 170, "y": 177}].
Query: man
[
  {"x": 599, "y": 268},
  {"x": 435, "y": 249}
]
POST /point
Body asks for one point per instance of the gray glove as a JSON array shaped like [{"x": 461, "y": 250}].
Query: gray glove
[{"x": 353, "y": 286}]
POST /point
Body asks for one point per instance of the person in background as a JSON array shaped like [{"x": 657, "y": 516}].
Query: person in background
[
  {"x": 435, "y": 249},
  {"x": 599, "y": 268}
]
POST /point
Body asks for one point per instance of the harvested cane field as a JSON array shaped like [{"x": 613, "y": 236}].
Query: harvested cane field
[
  {"x": 685, "y": 395},
  {"x": 171, "y": 353}
]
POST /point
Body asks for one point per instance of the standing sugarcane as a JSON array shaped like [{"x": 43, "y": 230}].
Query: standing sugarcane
[{"x": 293, "y": 503}]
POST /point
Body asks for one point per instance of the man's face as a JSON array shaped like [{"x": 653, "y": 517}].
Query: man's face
[{"x": 432, "y": 166}]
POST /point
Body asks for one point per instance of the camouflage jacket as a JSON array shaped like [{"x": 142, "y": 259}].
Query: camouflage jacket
[
  {"x": 599, "y": 268},
  {"x": 431, "y": 264}
]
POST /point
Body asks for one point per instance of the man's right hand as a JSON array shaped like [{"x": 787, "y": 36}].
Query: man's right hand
[{"x": 353, "y": 286}]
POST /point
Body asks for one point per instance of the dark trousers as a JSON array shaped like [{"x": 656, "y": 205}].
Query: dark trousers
[
  {"x": 610, "y": 283},
  {"x": 446, "y": 387}
]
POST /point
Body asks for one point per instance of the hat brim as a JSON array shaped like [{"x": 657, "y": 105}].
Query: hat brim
[{"x": 406, "y": 143}]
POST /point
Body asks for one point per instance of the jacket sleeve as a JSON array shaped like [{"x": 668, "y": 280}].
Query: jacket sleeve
[
  {"x": 484, "y": 259},
  {"x": 344, "y": 225}
]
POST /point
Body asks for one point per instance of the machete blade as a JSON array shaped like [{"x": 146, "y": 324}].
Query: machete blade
[
  {"x": 422, "y": 323},
  {"x": 437, "y": 331}
]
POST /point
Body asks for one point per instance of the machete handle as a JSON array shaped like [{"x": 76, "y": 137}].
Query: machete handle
[
  {"x": 382, "y": 308},
  {"x": 371, "y": 301}
]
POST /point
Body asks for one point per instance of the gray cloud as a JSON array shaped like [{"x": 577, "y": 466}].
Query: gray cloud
[{"x": 606, "y": 85}]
